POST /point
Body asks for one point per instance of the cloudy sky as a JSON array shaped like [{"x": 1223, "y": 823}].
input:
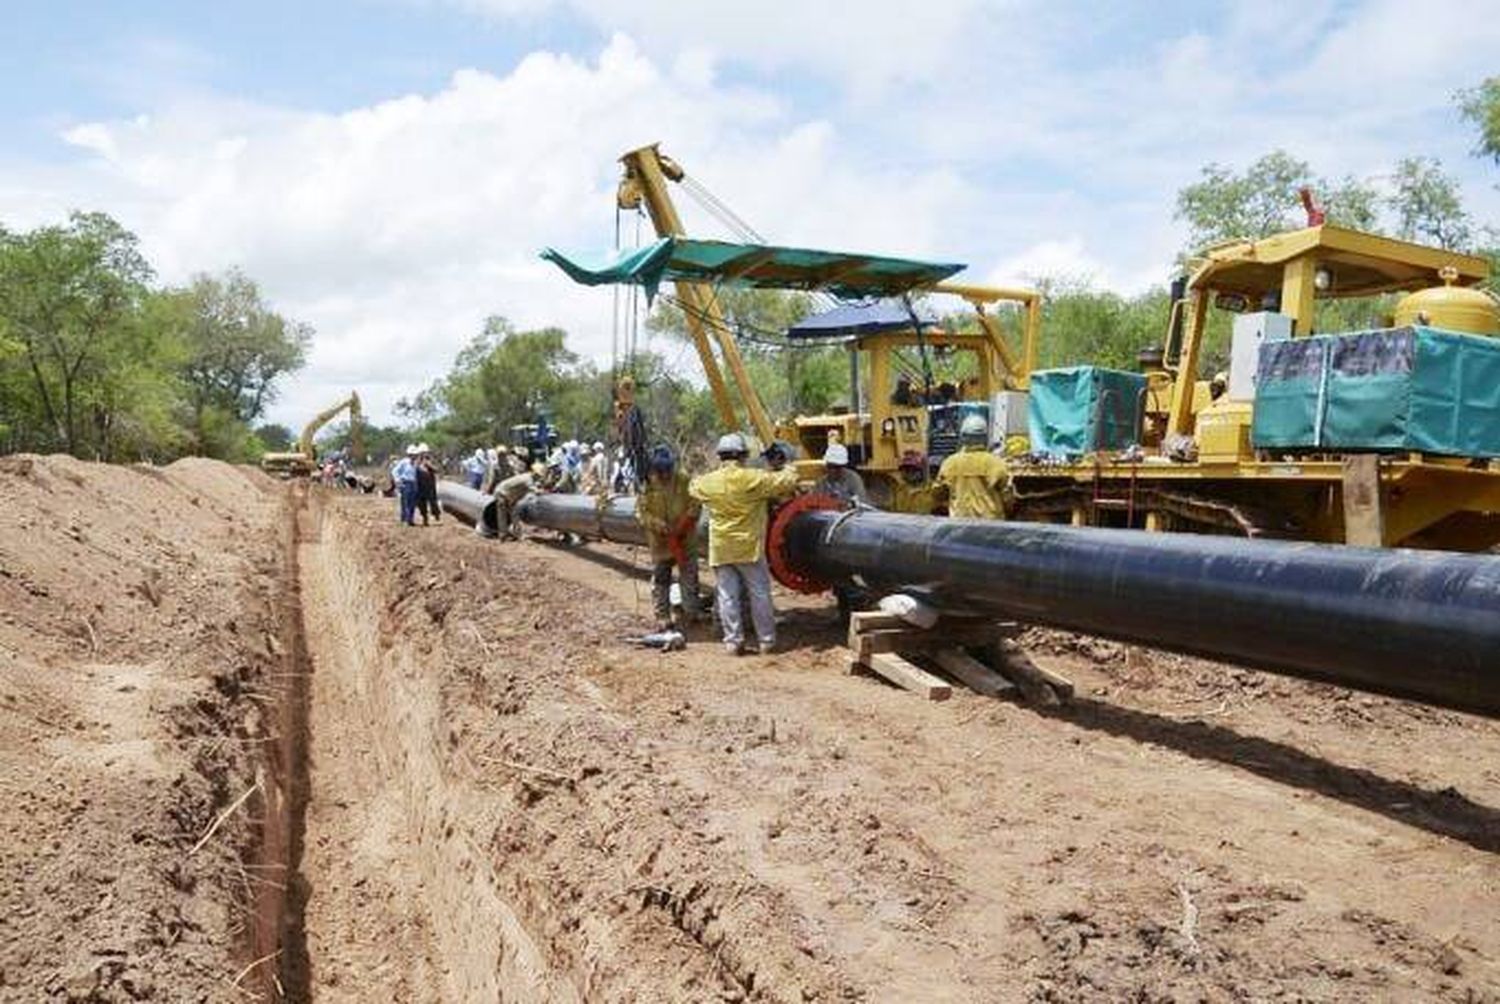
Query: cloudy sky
[{"x": 387, "y": 169}]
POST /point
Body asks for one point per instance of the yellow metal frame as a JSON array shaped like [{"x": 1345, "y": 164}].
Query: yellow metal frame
[{"x": 1427, "y": 501}]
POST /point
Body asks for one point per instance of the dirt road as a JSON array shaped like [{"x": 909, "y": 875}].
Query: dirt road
[{"x": 503, "y": 801}]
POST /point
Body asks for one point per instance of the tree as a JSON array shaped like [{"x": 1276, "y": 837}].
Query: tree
[
  {"x": 1427, "y": 205},
  {"x": 274, "y": 437},
  {"x": 502, "y": 377},
  {"x": 238, "y": 347},
  {"x": 789, "y": 378},
  {"x": 1481, "y": 106},
  {"x": 1265, "y": 199},
  {"x": 68, "y": 294}
]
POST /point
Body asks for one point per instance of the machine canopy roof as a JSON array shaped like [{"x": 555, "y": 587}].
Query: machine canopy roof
[
  {"x": 855, "y": 320},
  {"x": 757, "y": 265}
]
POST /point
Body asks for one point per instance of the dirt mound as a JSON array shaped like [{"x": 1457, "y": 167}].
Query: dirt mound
[{"x": 138, "y": 637}]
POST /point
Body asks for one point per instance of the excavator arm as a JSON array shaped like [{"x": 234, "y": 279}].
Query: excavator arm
[{"x": 306, "y": 444}]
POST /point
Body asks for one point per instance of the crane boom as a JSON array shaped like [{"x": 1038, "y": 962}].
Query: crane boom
[{"x": 647, "y": 172}]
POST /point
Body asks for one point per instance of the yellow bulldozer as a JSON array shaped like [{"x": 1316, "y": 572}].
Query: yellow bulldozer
[{"x": 303, "y": 460}]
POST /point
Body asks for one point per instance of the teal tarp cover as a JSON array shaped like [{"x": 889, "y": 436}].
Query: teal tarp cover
[
  {"x": 1080, "y": 409},
  {"x": 758, "y": 265},
  {"x": 1397, "y": 389}
]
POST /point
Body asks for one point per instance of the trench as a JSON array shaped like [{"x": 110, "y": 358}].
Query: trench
[{"x": 277, "y": 937}]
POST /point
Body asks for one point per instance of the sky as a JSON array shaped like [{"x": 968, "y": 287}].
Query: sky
[{"x": 387, "y": 170}]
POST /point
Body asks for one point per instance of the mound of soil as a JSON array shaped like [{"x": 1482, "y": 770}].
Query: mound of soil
[{"x": 139, "y": 649}]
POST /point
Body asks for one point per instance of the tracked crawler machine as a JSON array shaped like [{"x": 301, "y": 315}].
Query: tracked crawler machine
[{"x": 303, "y": 460}]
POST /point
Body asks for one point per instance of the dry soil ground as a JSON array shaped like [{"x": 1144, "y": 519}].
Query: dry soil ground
[{"x": 507, "y": 802}]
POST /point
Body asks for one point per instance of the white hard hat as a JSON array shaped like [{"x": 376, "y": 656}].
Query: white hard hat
[
  {"x": 838, "y": 455},
  {"x": 423, "y": 448},
  {"x": 598, "y": 447},
  {"x": 974, "y": 427},
  {"x": 730, "y": 442},
  {"x": 411, "y": 450}
]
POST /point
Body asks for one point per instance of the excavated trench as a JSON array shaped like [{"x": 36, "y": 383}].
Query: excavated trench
[
  {"x": 280, "y": 907},
  {"x": 478, "y": 797}
]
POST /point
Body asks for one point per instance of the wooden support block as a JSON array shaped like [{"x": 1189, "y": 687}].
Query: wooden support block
[
  {"x": 1364, "y": 508},
  {"x": 972, "y": 673},
  {"x": 870, "y": 642},
  {"x": 908, "y": 676},
  {"x": 874, "y": 620}
]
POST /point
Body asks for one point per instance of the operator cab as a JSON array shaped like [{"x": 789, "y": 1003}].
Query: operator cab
[{"x": 915, "y": 376}]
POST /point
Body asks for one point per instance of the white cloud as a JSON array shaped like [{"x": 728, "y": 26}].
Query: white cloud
[
  {"x": 974, "y": 132},
  {"x": 866, "y": 45},
  {"x": 394, "y": 229}
]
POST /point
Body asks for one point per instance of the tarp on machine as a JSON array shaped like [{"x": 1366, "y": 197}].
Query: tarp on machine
[{"x": 762, "y": 266}]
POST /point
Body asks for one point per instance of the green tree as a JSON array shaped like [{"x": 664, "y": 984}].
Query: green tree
[
  {"x": 1428, "y": 206},
  {"x": 1481, "y": 106},
  {"x": 69, "y": 295},
  {"x": 502, "y": 377},
  {"x": 789, "y": 378},
  {"x": 1265, "y": 199},
  {"x": 274, "y": 437},
  {"x": 237, "y": 348}
]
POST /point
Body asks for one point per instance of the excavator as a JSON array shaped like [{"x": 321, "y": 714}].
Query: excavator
[
  {"x": 903, "y": 417},
  {"x": 1384, "y": 435},
  {"x": 303, "y": 461}
]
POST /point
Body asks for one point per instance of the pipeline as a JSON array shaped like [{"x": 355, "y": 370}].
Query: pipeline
[
  {"x": 470, "y": 507},
  {"x": 1420, "y": 625}
]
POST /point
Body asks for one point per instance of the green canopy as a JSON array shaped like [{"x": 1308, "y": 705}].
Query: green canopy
[{"x": 758, "y": 265}]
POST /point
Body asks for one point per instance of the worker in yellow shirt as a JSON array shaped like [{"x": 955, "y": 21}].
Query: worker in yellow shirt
[
  {"x": 670, "y": 518},
  {"x": 975, "y": 480},
  {"x": 737, "y": 498}
]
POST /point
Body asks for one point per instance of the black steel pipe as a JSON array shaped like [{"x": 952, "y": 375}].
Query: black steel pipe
[
  {"x": 1423, "y": 625},
  {"x": 470, "y": 507},
  {"x": 612, "y": 520}
]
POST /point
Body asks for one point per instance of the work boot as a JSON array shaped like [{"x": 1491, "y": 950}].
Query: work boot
[
  {"x": 767, "y": 647},
  {"x": 734, "y": 648}
]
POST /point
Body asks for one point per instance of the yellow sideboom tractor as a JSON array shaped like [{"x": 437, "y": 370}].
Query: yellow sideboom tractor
[{"x": 1384, "y": 432}]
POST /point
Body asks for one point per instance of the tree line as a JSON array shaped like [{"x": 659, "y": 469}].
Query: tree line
[{"x": 97, "y": 361}]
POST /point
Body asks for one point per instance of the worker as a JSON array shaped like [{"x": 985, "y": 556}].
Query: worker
[
  {"x": 474, "y": 469},
  {"x": 975, "y": 479},
  {"x": 404, "y": 477},
  {"x": 511, "y": 461},
  {"x": 670, "y": 517},
  {"x": 427, "y": 499},
  {"x": 844, "y": 483},
  {"x": 840, "y": 480},
  {"x": 511, "y": 491},
  {"x": 599, "y": 469},
  {"x": 737, "y": 497},
  {"x": 775, "y": 456},
  {"x": 594, "y": 479}
]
